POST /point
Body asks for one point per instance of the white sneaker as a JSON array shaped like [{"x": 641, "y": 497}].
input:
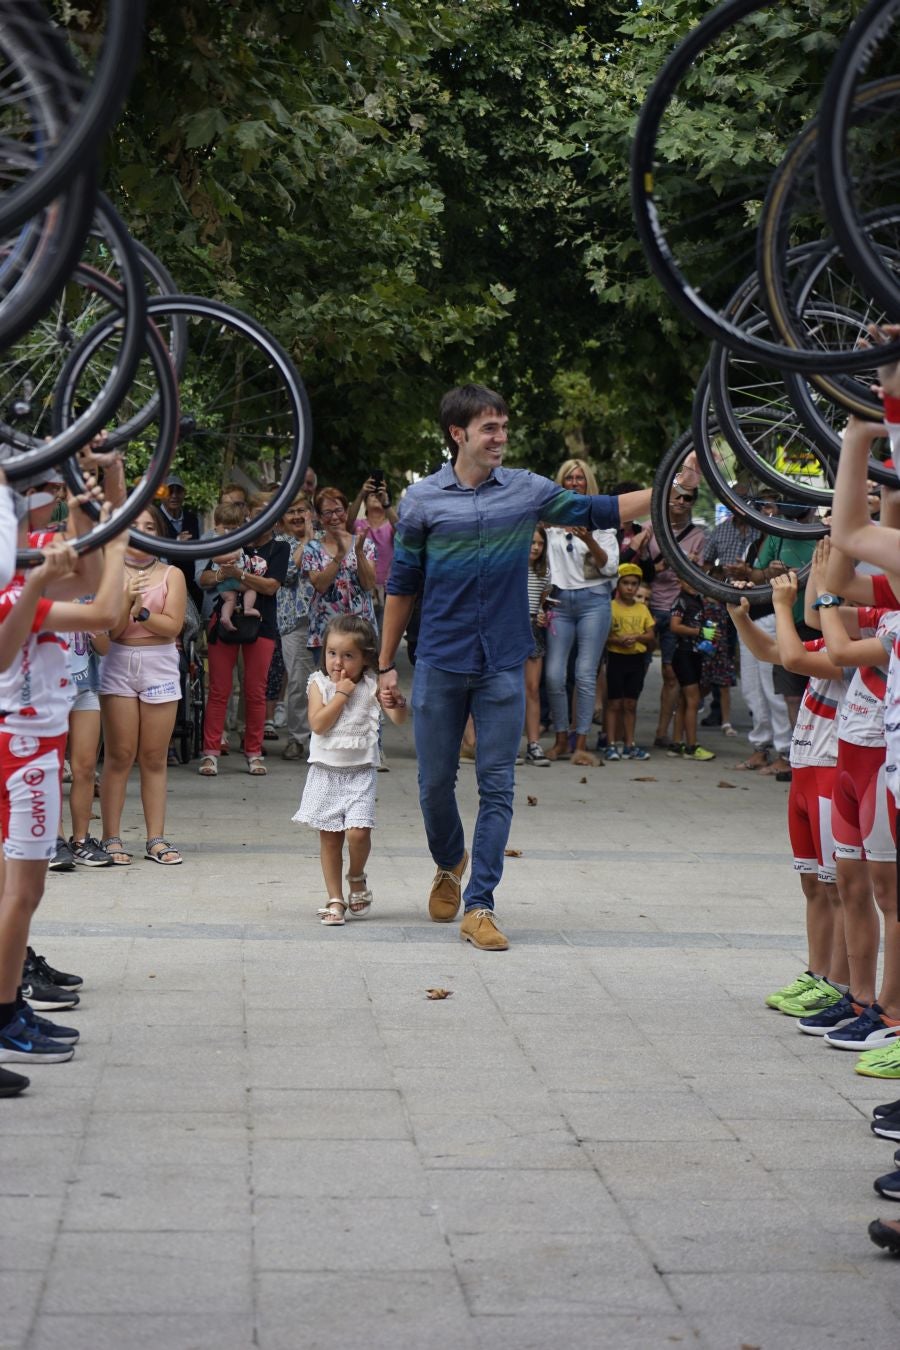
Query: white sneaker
[{"x": 280, "y": 716}]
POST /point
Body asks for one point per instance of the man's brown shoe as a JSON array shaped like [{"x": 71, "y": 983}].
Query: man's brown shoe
[
  {"x": 479, "y": 928},
  {"x": 446, "y": 892}
]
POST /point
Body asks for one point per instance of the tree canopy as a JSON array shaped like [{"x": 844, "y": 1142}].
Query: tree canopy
[{"x": 411, "y": 194}]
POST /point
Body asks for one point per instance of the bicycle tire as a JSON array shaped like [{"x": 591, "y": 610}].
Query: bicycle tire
[
  {"x": 836, "y": 181},
  {"x": 657, "y": 249},
  {"x": 144, "y": 491},
  {"x": 701, "y": 425},
  {"x": 681, "y": 564},
  {"x": 780, "y": 294},
  {"x": 129, "y": 318},
  {"x": 297, "y": 405},
  {"x": 94, "y": 113}
]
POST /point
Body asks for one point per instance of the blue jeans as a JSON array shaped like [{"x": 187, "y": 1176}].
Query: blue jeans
[
  {"x": 583, "y": 615},
  {"x": 442, "y": 701}
]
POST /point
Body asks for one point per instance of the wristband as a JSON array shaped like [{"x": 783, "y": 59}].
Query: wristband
[
  {"x": 891, "y": 409},
  {"x": 384, "y": 670},
  {"x": 143, "y": 615},
  {"x": 342, "y": 692}
]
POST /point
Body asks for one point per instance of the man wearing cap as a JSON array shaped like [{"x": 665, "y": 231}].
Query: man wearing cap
[{"x": 181, "y": 524}]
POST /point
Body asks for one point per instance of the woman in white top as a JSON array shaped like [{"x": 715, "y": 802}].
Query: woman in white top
[{"x": 582, "y": 564}]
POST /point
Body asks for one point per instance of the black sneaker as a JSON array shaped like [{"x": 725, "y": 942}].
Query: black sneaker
[
  {"x": 11, "y": 1084},
  {"x": 888, "y": 1186},
  {"x": 88, "y": 852},
  {"x": 36, "y": 967},
  {"x": 52, "y": 1030},
  {"x": 20, "y": 1044},
  {"x": 47, "y": 997},
  {"x": 886, "y": 1127},
  {"x": 889, "y": 1109},
  {"x": 62, "y": 860}
]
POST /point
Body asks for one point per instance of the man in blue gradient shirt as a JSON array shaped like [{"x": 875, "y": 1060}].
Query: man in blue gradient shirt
[{"x": 463, "y": 538}]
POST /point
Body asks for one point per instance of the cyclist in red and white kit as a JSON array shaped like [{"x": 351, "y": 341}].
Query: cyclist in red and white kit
[
  {"x": 813, "y": 754},
  {"x": 35, "y": 695}
]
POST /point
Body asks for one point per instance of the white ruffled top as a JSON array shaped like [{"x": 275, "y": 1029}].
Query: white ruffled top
[{"x": 353, "y": 740}]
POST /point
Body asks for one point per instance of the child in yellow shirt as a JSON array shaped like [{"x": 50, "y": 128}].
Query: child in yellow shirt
[{"x": 632, "y": 635}]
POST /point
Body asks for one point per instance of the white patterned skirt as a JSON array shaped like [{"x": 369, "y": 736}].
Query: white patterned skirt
[{"x": 338, "y": 799}]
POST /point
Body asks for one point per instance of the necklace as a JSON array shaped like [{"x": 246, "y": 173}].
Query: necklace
[{"x": 140, "y": 569}]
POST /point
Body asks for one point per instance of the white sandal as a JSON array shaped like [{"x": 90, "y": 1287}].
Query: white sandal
[
  {"x": 360, "y": 902},
  {"x": 332, "y": 914}
]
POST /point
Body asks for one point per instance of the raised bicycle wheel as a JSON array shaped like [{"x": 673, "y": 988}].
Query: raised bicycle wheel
[
  {"x": 858, "y": 166},
  {"x": 30, "y": 370},
  {"x": 701, "y": 160},
  {"x": 679, "y": 561},
  {"x": 243, "y": 405},
  {"x": 152, "y": 458},
  {"x": 41, "y": 73}
]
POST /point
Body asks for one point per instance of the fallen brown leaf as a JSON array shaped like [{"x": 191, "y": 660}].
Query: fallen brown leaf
[
  {"x": 532, "y": 801},
  {"x": 645, "y": 780},
  {"x": 439, "y": 993},
  {"x": 726, "y": 785},
  {"x": 512, "y": 853},
  {"x": 582, "y": 780}
]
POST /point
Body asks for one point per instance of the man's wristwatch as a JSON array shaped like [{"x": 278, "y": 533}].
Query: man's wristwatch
[
  {"x": 828, "y": 601},
  {"x": 383, "y": 670}
]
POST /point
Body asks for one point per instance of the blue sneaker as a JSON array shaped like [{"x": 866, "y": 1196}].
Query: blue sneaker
[
  {"x": 612, "y": 753},
  {"x": 634, "y": 752},
  {"x": 840, "y": 1014},
  {"x": 869, "y": 1031},
  {"x": 21, "y": 1044},
  {"x": 52, "y": 1030}
]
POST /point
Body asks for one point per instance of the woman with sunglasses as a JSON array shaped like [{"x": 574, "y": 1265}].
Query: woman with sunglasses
[
  {"x": 582, "y": 564},
  {"x": 340, "y": 567}
]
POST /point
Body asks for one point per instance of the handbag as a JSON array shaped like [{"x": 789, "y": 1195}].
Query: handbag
[{"x": 246, "y": 628}]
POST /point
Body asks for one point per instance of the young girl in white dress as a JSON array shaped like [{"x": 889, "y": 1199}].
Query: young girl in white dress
[{"x": 339, "y": 796}]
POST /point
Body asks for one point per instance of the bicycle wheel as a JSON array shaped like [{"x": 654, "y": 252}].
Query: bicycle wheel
[
  {"x": 28, "y": 374},
  {"x": 701, "y": 161},
  {"x": 243, "y": 405},
  {"x": 151, "y": 460},
  {"x": 680, "y": 563},
  {"x": 56, "y": 105},
  {"x": 792, "y": 215},
  {"x": 858, "y": 167}
]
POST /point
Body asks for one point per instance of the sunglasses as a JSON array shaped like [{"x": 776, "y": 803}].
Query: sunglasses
[
  {"x": 686, "y": 496},
  {"x": 570, "y": 547}
]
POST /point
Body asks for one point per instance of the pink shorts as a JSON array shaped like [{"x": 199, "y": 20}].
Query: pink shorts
[
  {"x": 863, "y": 814},
  {"x": 145, "y": 672},
  {"x": 809, "y": 821},
  {"x": 30, "y": 794}
]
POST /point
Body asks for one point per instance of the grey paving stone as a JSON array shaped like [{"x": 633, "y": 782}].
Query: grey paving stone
[
  {"x": 316, "y": 1065},
  {"x": 709, "y": 1169},
  {"x": 588, "y": 1332},
  {"x": 630, "y": 1116},
  {"x": 29, "y": 1225},
  {"x": 161, "y": 1139},
  {"x": 20, "y": 1292},
  {"x": 750, "y": 1235},
  {"x": 506, "y": 1140},
  {"x": 385, "y": 1235},
  {"x": 156, "y": 1197},
  {"x": 747, "y": 1308},
  {"x": 144, "y": 1273},
  {"x": 99, "y": 1331},
  {"x": 338, "y": 1168},
  {"x": 348, "y": 1310},
  {"x": 170, "y": 1089},
  {"x": 533, "y": 1201},
  {"x": 328, "y": 1113},
  {"x": 558, "y": 1273}
]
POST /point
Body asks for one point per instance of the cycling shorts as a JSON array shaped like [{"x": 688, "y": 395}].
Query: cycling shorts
[
  {"x": 862, "y": 810},
  {"x": 809, "y": 821},
  {"x": 30, "y": 794}
]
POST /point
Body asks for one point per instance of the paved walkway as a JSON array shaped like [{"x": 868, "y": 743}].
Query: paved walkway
[{"x": 271, "y": 1138}]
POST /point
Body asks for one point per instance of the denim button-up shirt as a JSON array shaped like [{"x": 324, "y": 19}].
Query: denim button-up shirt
[{"x": 467, "y": 550}]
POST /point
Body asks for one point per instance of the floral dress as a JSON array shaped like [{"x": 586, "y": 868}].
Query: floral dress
[{"x": 344, "y": 596}]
